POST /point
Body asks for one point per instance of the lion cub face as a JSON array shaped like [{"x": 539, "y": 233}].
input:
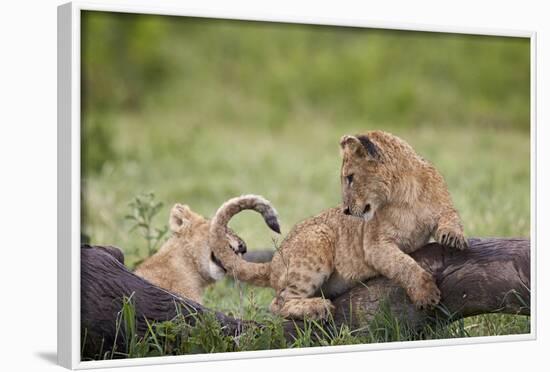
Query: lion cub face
[
  {"x": 364, "y": 177},
  {"x": 190, "y": 231}
]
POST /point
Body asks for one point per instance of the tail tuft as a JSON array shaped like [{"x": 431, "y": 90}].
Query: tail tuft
[{"x": 273, "y": 224}]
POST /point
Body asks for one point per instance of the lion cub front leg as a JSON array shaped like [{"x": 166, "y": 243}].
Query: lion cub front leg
[
  {"x": 390, "y": 261},
  {"x": 449, "y": 231}
]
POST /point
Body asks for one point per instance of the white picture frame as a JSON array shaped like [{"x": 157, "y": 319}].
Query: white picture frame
[{"x": 69, "y": 181}]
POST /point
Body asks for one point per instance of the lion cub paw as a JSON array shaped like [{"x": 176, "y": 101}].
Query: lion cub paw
[
  {"x": 451, "y": 237},
  {"x": 425, "y": 294},
  {"x": 313, "y": 308},
  {"x": 322, "y": 311}
]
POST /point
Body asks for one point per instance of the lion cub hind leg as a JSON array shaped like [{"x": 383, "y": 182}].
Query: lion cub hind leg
[
  {"x": 449, "y": 231},
  {"x": 302, "y": 282},
  {"x": 304, "y": 264}
]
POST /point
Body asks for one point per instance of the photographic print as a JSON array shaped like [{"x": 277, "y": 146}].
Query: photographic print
[{"x": 252, "y": 186}]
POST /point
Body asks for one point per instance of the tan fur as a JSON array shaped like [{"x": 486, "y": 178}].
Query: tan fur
[
  {"x": 184, "y": 264},
  {"x": 391, "y": 206},
  {"x": 255, "y": 273}
]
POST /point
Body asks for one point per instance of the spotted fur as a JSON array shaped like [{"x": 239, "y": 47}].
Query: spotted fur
[{"x": 393, "y": 202}]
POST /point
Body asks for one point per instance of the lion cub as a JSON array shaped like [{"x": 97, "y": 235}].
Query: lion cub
[
  {"x": 185, "y": 264},
  {"x": 393, "y": 201}
]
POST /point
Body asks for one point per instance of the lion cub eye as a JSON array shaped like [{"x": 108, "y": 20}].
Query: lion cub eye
[{"x": 349, "y": 178}]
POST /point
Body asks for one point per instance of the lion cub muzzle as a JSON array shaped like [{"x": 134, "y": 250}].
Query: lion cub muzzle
[{"x": 367, "y": 212}]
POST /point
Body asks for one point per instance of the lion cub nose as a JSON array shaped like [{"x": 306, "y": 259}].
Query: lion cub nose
[
  {"x": 347, "y": 211},
  {"x": 241, "y": 248}
]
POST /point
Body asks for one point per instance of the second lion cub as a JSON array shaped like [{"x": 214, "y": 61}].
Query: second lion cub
[
  {"x": 393, "y": 202},
  {"x": 185, "y": 264}
]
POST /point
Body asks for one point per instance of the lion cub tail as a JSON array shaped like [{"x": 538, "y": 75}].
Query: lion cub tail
[{"x": 255, "y": 273}]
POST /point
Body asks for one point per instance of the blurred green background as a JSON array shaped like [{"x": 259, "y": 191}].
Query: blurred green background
[{"x": 201, "y": 110}]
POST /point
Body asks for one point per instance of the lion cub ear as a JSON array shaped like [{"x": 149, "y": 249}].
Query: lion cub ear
[
  {"x": 360, "y": 146},
  {"x": 352, "y": 146},
  {"x": 181, "y": 217}
]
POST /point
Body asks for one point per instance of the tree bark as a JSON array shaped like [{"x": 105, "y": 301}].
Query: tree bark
[{"x": 492, "y": 276}]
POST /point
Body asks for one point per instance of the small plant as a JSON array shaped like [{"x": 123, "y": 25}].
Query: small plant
[{"x": 143, "y": 210}]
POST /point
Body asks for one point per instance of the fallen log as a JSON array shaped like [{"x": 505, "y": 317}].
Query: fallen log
[
  {"x": 493, "y": 276},
  {"x": 105, "y": 282},
  {"x": 258, "y": 256}
]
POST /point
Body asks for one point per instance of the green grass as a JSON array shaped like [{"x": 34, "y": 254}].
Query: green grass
[
  {"x": 199, "y": 111},
  {"x": 206, "y": 335}
]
